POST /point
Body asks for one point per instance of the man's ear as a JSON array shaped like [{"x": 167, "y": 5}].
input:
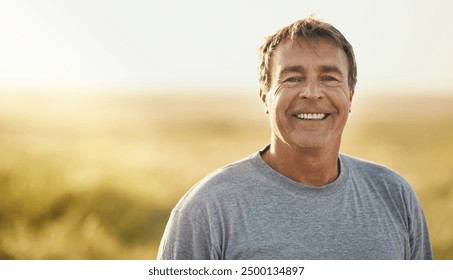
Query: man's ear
[
  {"x": 351, "y": 94},
  {"x": 263, "y": 97}
]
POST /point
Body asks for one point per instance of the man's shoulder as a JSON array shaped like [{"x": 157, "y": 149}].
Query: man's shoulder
[
  {"x": 375, "y": 173},
  {"x": 364, "y": 164},
  {"x": 226, "y": 181},
  {"x": 230, "y": 174}
]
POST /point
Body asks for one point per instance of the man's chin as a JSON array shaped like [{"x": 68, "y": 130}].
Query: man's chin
[{"x": 312, "y": 142}]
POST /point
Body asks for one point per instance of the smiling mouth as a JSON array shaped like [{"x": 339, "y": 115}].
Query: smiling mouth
[{"x": 312, "y": 116}]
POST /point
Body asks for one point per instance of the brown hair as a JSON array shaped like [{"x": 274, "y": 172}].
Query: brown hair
[{"x": 311, "y": 30}]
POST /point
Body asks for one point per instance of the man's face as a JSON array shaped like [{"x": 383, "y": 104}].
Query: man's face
[{"x": 309, "y": 98}]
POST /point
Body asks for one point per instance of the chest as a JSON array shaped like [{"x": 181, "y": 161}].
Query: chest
[{"x": 334, "y": 228}]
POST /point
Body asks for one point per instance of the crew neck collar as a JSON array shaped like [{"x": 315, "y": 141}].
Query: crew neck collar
[{"x": 286, "y": 182}]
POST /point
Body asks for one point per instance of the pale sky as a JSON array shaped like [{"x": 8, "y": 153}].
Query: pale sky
[{"x": 212, "y": 45}]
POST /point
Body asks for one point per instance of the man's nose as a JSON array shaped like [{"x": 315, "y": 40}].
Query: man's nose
[{"x": 311, "y": 90}]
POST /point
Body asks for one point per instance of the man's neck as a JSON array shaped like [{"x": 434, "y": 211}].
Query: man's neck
[{"x": 309, "y": 166}]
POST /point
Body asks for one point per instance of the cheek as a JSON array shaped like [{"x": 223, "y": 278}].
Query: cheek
[
  {"x": 273, "y": 107},
  {"x": 340, "y": 98},
  {"x": 279, "y": 115},
  {"x": 278, "y": 106}
]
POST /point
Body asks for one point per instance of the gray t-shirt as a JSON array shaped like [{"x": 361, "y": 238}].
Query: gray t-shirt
[{"x": 247, "y": 210}]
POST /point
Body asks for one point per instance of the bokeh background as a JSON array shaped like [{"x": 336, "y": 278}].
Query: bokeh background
[{"x": 111, "y": 110}]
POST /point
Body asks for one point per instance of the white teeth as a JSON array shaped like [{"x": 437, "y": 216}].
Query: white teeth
[{"x": 311, "y": 116}]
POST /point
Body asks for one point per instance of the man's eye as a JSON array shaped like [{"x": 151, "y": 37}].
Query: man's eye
[
  {"x": 292, "y": 80},
  {"x": 329, "y": 79}
]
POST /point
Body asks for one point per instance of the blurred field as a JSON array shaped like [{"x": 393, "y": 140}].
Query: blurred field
[{"x": 95, "y": 177}]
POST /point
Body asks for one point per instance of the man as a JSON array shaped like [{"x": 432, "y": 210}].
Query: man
[{"x": 299, "y": 198}]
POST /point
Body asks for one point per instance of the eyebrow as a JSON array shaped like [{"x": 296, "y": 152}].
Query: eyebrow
[
  {"x": 292, "y": 68},
  {"x": 301, "y": 69},
  {"x": 331, "y": 69}
]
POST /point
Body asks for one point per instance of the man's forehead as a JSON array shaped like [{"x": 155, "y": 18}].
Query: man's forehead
[
  {"x": 289, "y": 52},
  {"x": 309, "y": 44}
]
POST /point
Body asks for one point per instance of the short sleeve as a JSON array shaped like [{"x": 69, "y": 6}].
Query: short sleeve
[
  {"x": 185, "y": 238},
  {"x": 420, "y": 245}
]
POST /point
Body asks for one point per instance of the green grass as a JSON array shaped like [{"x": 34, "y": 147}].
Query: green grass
[{"x": 96, "y": 177}]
